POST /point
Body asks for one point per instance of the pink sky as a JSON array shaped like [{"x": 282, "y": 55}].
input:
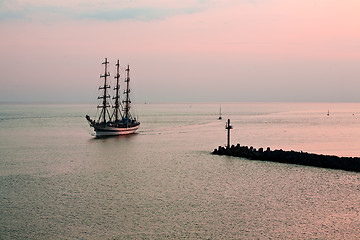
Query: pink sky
[{"x": 260, "y": 50}]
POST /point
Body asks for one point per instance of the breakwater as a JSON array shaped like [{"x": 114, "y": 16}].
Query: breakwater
[{"x": 291, "y": 157}]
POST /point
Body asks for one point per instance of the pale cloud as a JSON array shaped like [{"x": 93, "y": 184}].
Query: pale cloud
[
  {"x": 140, "y": 13},
  {"x": 108, "y": 10},
  {"x": 96, "y": 10}
]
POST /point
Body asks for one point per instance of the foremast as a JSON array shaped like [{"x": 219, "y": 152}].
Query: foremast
[
  {"x": 105, "y": 96},
  {"x": 117, "y": 113}
]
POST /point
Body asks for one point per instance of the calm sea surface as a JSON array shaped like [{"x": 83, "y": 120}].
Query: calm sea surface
[{"x": 58, "y": 182}]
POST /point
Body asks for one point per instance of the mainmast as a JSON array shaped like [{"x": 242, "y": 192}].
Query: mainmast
[
  {"x": 116, "y": 88},
  {"x": 105, "y": 104},
  {"x": 127, "y": 92}
]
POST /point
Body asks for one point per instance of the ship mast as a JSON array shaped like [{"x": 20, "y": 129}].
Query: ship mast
[
  {"x": 117, "y": 97},
  {"x": 104, "y": 97},
  {"x": 127, "y": 91}
]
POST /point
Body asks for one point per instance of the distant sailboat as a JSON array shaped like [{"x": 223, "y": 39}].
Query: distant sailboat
[{"x": 220, "y": 114}]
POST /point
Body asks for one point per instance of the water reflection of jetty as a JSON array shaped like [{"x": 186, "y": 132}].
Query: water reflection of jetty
[{"x": 291, "y": 157}]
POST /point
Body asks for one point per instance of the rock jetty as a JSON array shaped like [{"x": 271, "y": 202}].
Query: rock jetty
[{"x": 291, "y": 157}]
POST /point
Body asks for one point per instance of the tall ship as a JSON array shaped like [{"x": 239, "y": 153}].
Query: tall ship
[{"x": 119, "y": 121}]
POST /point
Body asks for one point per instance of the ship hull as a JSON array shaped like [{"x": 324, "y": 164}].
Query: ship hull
[{"x": 114, "y": 131}]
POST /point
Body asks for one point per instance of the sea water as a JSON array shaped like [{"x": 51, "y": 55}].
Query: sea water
[{"x": 59, "y": 182}]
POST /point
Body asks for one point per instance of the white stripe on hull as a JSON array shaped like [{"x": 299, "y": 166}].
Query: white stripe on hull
[{"x": 111, "y": 131}]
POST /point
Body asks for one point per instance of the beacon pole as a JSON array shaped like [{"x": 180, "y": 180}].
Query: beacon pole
[{"x": 228, "y": 127}]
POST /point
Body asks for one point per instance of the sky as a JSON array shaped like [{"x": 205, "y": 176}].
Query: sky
[{"x": 182, "y": 51}]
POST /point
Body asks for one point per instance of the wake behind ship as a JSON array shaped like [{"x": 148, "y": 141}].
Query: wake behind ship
[{"x": 120, "y": 121}]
